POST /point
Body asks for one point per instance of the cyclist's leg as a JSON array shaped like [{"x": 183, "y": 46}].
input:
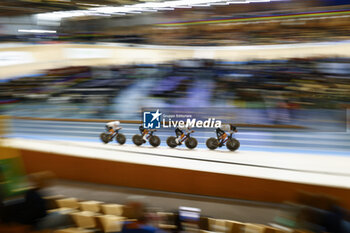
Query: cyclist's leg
[
  {"x": 179, "y": 134},
  {"x": 144, "y": 134}
]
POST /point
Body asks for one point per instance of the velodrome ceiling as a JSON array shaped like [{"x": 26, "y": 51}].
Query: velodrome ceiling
[{"x": 24, "y": 7}]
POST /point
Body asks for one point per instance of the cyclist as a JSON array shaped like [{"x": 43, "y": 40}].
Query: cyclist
[
  {"x": 179, "y": 131},
  {"x": 221, "y": 134},
  {"x": 143, "y": 132},
  {"x": 113, "y": 127}
]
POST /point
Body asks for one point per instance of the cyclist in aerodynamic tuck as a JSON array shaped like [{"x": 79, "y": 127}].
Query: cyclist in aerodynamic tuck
[
  {"x": 143, "y": 132},
  {"x": 113, "y": 127},
  {"x": 221, "y": 131},
  {"x": 179, "y": 131}
]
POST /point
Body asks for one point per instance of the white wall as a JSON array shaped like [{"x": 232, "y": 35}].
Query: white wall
[{"x": 35, "y": 58}]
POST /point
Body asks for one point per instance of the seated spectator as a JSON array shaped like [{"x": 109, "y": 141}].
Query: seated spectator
[
  {"x": 33, "y": 210},
  {"x": 136, "y": 213}
]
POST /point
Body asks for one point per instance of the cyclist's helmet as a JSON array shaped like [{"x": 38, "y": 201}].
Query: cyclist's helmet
[{"x": 233, "y": 128}]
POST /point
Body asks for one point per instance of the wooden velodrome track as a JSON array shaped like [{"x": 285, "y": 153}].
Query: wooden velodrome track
[{"x": 259, "y": 176}]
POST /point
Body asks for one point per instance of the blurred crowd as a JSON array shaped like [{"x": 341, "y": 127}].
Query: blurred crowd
[
  {"x": 80, "y": 92},
  {"x": 258, "y": 37},
  {"x": 92, "y": 88},
  {"x": 252, "y": 32}
]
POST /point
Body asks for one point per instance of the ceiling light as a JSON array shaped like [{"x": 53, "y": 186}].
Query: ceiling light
[
  {"x": 237, "y": 2},
  {"x": 36, "y": 31},
  {"x": 89, "y": 4},
  {"x": 102, "y": 10},
  {"x": 254, "y": 1}
]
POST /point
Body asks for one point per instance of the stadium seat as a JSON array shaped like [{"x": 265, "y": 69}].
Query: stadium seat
[
  {"x": 205, "y": 231},
  {"x": 74, "y": 230},
  {"x": 112, "y": 209},
  {"x": 234, "y": 227},
  {"x": 63, "y": 210},
  {"x": 93, "y": 206},
  {"x": 217, "y": 225},
  {"x": 71, "y": 202},
  {"x": 85, "y": 219},
  {"x": 109, "y": 223},
  {"x": 259, "y": 228},
  {"x": 269, "y": 229}
]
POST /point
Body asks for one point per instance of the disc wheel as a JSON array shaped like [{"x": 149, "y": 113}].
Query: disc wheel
[
  {"x": 171, "y": 142},
  {"x": 105, "y": 137},
  {"x": 191, "y": 143},
  {"x": 120, "y": 138},
  {"x": 137, "y": 140},
  {"x": 154, "y": 141},
  {"x": 212, "y": 143},
  {"x": 233, "y": 144}
]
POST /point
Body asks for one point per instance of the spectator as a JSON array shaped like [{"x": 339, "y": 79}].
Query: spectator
[
  {"x": 136, "y": 212},
  {"x": 34, "y": 210}
]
